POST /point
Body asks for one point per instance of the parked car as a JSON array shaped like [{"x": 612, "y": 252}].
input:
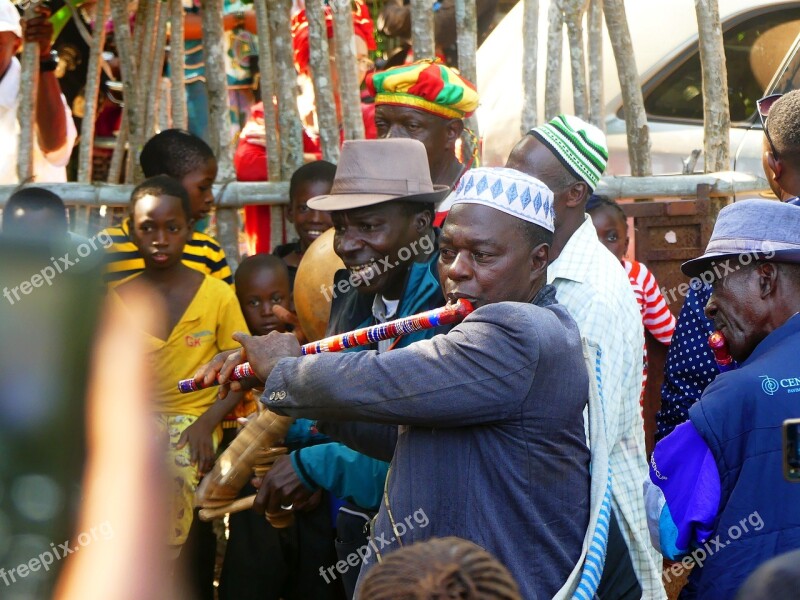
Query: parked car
[{"x": 761, "y": 48}]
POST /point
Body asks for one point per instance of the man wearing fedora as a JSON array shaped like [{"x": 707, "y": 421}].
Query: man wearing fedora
[
  {"x": 716, "y": 488},
  {"x": 491, "y": 444},
  {"x": 382, "y": 207}
]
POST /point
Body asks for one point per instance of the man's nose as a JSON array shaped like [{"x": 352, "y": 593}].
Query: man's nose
[
  {"x": 459, "y": 269},
  {"x": 347, "y": 242}
]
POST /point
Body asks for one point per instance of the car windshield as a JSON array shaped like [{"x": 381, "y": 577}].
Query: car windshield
[
  {"x": 755, "y": 46},
  {"x": 788, "y": 78}
]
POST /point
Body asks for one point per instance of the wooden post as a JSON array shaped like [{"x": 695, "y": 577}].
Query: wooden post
[
  {"x": 635, "y": 116},
  {"x": 319, "y": 62},
  {"x": 573, "y": 15},
  {"x": 291, "y": 128},
  {"x": 176, "y": 66},
  {"x": 716, "y": 108},
  {"x": 26, "y": 112},
  {"x": 118, "y": 156},
  {"x": 467, "y": 40},
  {"x": 144, "y": 32},
  {"x": 552, "y": 91},
  {"x": 90, "y": 94},
  {"x": 530, "y": 56},
  {"x": 219, "y": 122},
  {"x": 156, "y": 72},
  {"x": 422, "y": 28},
  {"x": 595, "y": 33},
  {"x": 347, "y": 68},
  {"x": 128, "y": 72}
]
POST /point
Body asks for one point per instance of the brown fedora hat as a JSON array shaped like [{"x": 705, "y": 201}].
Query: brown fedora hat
[{"x": 374, "y": 171}]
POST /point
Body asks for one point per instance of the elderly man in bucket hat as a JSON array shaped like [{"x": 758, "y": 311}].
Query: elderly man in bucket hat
[
  {"x": 491, "y": 445},
  {"x": 716, "y": 490}
]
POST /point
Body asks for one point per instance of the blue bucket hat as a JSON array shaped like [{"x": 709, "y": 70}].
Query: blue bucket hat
[{"x": 751, "y": 230}]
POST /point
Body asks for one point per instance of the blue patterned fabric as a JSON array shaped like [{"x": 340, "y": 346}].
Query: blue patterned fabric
[{"x": 690, "y": 363}]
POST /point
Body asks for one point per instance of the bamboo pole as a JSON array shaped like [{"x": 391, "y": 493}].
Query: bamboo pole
[
  {"x": 422, "y": 28},
  {"x": 91, "y": 92},
  {"x": 573, "y": 15},
  {"x": 219, "y": 122},
  {"x": 118, "y": 156},
  {"x": 145, "y": 29},
  {"x": 635, "y": 116},
  {"x": 268, "y": 93},
  {"x": 347, "y": 68},
  {"x": 164, "y": 104},
  {"x": 291, "y": 129},
  {"x": 321, "y": 76},
  {"x": 238, "y": 193},
  {"x": 552, "y": 92},
  {"x": 128, "y": 72},
  {"x": 176, "y": 66},
  {"x": 716, "y": 108},
  {"x": 595, "y": 35},
  {"x": 530, "y": 56},
  {"x": 26, "y": 111},
  {"x": 156, "y": 72},
  {"x": 467, "y": 41}
]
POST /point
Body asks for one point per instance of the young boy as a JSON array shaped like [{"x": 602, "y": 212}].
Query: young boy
[
  {"x": 262, "y": 562},
  {"x": 310, "y": 180},
  {"x": 201, "y": 316},
  {"x": 188, "y": 159}
]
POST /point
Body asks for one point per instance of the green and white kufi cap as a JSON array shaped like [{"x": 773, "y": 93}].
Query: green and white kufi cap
[
  {"x": 580, "y": 146},
  {"x": 510, "y": 191}
]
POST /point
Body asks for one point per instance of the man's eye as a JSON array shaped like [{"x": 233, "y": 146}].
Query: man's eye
[
  {"x": 277, "y": 299},
  {"x": 367, "y": 227},
  {"x": 303, "y": 208},
  {"x": 612, "y": 238},
  {"x": 254, "y": 302}
]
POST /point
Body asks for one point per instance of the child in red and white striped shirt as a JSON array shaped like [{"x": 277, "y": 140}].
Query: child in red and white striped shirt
[{"x": 612, "y": 230}]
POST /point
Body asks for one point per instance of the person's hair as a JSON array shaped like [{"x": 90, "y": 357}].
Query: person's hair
[
  {"x": 440, "y": 568},
  {"x": 259, "y": 262},
  {"x": 414, "y": 208},
  {"x": 35, "y": 198},
  {"x": 174, "y": 152},
  {"x": 783, "y": 124},
  {"x": 596, "y": 202},
  {"x": 162, "y": 185},
  {"x": 319, "y": 170},
  {"x": 535, "y": 234}
]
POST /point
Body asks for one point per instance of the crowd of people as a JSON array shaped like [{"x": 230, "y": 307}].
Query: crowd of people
[{"x": 501, "y": 457}]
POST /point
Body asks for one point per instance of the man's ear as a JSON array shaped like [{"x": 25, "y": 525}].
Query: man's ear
[
  {"x": 577, "y": 194},
  {"x": 767, "y": 277},
  {"x": 775, "y": 165},
  {"x": 423, "y": 220},
  {"x": 539, "y": 257},
  {"x": 454, "y": 129}
]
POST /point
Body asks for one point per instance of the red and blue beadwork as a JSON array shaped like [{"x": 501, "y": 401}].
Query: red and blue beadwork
[{"x": 239, "y": 372}]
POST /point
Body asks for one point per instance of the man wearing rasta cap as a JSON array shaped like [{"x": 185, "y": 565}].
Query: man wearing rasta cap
[
  {"x": 427, "y": 101},
  {"x": 491, "y": 446},
  {"x": 570, "y": 155}
]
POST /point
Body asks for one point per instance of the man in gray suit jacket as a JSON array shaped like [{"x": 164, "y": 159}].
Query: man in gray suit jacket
[{"x": 491, "y": 444}]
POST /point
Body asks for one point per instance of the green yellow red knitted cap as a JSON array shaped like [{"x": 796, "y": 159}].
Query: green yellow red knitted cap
[{"x": 426, "y": 85}]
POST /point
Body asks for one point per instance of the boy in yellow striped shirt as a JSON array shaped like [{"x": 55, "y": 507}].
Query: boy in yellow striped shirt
[{"x": 190, "y": 160}]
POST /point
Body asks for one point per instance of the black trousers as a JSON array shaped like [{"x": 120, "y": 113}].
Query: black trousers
[
  {"x": 352, "y": 533},
  {"x": 619, "y": 580},
  {"x": 264, "y": 563}
]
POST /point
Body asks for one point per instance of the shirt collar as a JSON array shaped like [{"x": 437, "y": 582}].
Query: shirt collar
[
  {"x": 381, "y": 311},
  {"x": 10, "y": 84},
  {"x": 572, "y": 263}
]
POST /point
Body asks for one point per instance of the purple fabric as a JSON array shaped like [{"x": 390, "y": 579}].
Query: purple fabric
[{"x": 683, "y": 467}]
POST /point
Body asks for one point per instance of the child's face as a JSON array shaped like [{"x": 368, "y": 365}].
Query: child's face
[
  {"x": 198, "y": 185},
  {"x": 612, "y": 230},
  {"x": 310, "y": 224},
  {"x": 258, "y": 293},
  {"x": 160, "y": 230}
]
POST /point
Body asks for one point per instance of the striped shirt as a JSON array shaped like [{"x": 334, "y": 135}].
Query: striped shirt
[
  {"x": 592, "y": 285},
  {"x": 123, "y": 260},
  {"x": 656, "y": 315}
]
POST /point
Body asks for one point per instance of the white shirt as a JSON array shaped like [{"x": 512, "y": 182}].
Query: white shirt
[
  {"x": 383, "y": 310},
  {"x": 593, "y": 286},
  {"x": 46, "y": 167}
]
